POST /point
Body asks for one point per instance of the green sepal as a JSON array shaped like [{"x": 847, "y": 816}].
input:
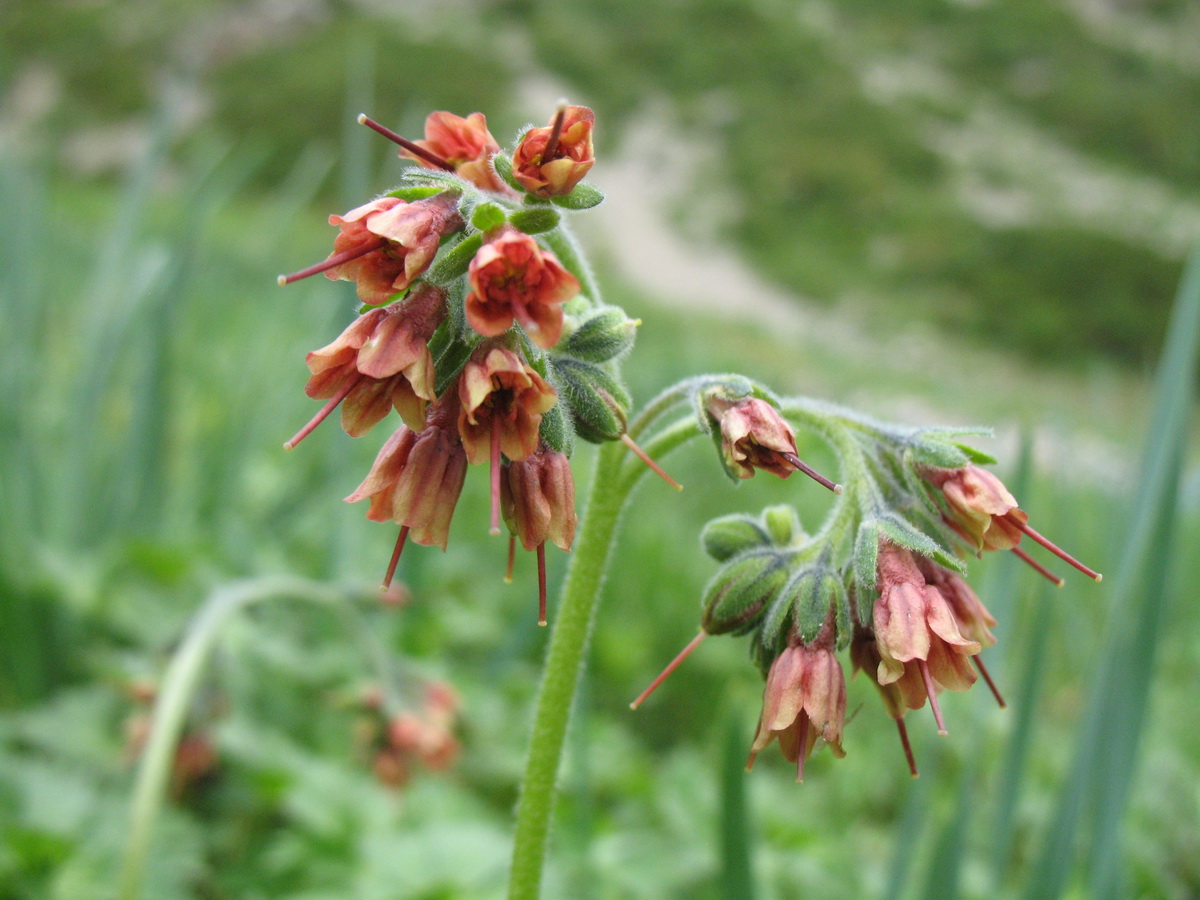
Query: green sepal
[
  {"x": 726, "y": 537},
  {"x": 606, "y": 335},
  {"x": 843, "y": 617},
  {"x": 783, "y": 524},
  {"x": 866, "y": 560},
  {"x": 488, "y": 216},
  {"x": 535, "y": 220},
  {"x": 556, "y": 431},
  {"x": 584, "y": 196},
  {"x": 451, "y": 361},
  {"x": 454, "y": 262},
  {"x": 924, "y": 451},
  {"x": 812, "y": 591},
  {"x": 502, "y": 163},
  {"x": 735, "y": 598},
  {"x": 415, "y": 192},
  {"x": 598, "y": 403},
  {"x": 976, "y": 456},
  {"x": 902, "y": 533}
]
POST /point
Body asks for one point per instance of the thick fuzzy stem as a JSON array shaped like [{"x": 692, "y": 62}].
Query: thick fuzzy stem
[{"x": 560, "y": 677}]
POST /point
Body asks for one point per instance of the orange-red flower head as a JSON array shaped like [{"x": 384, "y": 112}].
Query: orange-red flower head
[
  {"x": 512, "y": 277},
  {"x": 805, "y": 698},
  {"x": 915, "y": 630},
  {"x": 381, "y": 361},
  {"x": 979, "y": 507},
  {"x": 753, "y": 436},
  {"x": 464, "y": 143},
  {"x": 550, "y": 161},
  {"x": 416, "y": 480},
  {"x": 538, "y": 497},
  {"x": 391, "y": 242},
  {"x": 503, "y": 400}
]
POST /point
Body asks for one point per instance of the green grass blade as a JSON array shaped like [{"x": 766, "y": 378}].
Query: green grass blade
[
  {"x": 737, "y": 869},
  {"x": 1100, "y": 781}
]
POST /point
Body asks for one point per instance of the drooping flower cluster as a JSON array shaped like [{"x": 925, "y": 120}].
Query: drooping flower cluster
[
  {"x": 398, "y": 744},
  {"x": 487, "y": 345},
  {"x": 883, "y": 575}
]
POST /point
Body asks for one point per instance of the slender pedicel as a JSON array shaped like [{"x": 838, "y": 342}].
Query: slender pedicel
[
  {"x": 803, "y": 728},
  {"x": 1056, "y": 550},
  {"x": 1037, "y": 567},
  {"x": 555, "y": 133},
  {"x": 812, "y": 473},
  {"x": 320, "y": 417},
  {"x": 988, "y": 678},
  {"x": 931, "y": 692},
  {"x": 671, "y": 667},
  {"x": 908, "y": 754},
  {"x": 404, "y": 142},
  {"x": 512, "y": 558},
  {"x": 391, "y": 569},
  {"x": 338, "y": 259},
  {"x": 654, "y": 467},
  {"x": 541, "y": 563}
]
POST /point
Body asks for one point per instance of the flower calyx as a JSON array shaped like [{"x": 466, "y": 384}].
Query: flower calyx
[
  {"x": 551, "y": 161},
  {"x": 751, "y": 434}
]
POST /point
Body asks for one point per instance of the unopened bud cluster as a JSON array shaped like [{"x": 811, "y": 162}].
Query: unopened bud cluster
[{"x": 479, "y": 328}]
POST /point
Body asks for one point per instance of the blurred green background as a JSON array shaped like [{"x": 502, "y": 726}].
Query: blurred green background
[{"x": 934, "y": 211}]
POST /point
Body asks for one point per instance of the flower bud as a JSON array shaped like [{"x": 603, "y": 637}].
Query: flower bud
[
  {"x": 726, "y": 537},
  {"x": 606, "y": 335},
  {"x": 740, "y": 591},
  {"x": 598, "y": 403}
]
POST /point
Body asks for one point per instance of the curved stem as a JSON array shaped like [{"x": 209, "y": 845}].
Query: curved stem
[
  {"x": 564, "y": 663},
  {"x": 170, "y": 712}
]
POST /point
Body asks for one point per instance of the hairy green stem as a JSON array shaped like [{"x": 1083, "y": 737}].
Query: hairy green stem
[
  {"x": 170, "y": 712},
  {"x": 564, "y": 663}
]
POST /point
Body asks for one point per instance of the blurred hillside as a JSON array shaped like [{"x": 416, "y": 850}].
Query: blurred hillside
[{"x": 1024, "y": 173}]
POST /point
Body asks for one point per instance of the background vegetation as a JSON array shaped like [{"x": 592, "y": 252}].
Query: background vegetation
[{"x": 979, "y": 213}]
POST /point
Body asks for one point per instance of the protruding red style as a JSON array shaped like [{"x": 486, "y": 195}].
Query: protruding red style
[
  {"x": 550, "y": 161},
  {"x": 985, "y": 515},
  {"x": 466, "y": 144},
  {"x": 669, "y": 668},
  {"x": 513, "y": 278},
  {"x": 864, "y": 657}
]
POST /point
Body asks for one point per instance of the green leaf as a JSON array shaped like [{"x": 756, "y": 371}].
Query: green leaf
[{"x": 583, "y": 197}]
